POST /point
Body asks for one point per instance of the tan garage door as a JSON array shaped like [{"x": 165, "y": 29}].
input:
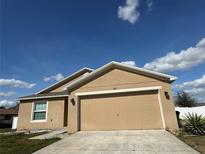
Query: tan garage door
[{"x": 120, "y": 112}]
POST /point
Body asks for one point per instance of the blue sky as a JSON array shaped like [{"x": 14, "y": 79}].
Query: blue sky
[{"x": 42, "y": 38}]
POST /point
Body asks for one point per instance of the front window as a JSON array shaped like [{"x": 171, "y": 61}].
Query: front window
[{"x": 39, "y": 110}]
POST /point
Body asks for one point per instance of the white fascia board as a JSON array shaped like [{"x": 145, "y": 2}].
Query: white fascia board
[
  {"x": 100, "y": 69},
  {"x": 64, "y": 79},
  {"x": 42, "y": 97},
  {"x": 117, "y": 91},
  {"x": 147, "y": 71}
]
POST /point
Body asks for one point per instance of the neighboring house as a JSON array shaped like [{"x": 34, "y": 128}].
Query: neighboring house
[
  {"x": 6, "y": 116},
  {"x": 115, "y": 96}
]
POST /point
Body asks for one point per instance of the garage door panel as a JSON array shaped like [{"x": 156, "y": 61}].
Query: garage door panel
[
  {"x": 120, "y": 112},
  {"x": 95, "y": 116}
]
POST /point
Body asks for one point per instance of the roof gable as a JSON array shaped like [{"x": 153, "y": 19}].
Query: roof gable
[
  {"x": 111, "y": 65},
  {"x": 65, "y": 80}
]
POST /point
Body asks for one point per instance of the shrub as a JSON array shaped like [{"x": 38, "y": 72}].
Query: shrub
[{"x": 194, "y": 124}]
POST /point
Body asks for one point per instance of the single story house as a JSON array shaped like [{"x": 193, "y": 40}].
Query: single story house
[
  {"x": 6, "y": 116},
  {"x": 115, "y": 96}
]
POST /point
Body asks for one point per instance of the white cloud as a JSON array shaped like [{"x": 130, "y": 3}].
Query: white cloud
[
  {"x": 16, "y": 83},
  {"x": 129, "y": 12},
  {"x": 196, "y": 91},
  {"x": 6, "y": 103},
  {"x": 6, "y": 94},
  {"x": 198, "y": 83},
  {"x": 201, "y": 43},
  {"x": 179, "y": 61},
  {"x": 56, "y": 77},
  {"x": 149, "y": 5},
  {"x": 129, "y": 63},
  {"x": 195, "y": 87}
]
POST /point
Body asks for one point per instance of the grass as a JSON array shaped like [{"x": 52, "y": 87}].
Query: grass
[
  {"x": 3, "y": 130},
  {"x": 21, "y": 144},
  {"x": 196, "y": 142}
]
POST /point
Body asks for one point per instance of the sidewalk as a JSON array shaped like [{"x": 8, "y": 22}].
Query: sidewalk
[{"x": 52, "y": 134}]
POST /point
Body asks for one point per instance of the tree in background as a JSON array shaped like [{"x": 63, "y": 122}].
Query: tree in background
[{"x": 183, "y": 99}]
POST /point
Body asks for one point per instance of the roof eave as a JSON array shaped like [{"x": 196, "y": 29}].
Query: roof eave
[
  {"x": 169, "y": 78},
  {"x": 85, "y": 68},
  {"x": 41, "y": 97}
]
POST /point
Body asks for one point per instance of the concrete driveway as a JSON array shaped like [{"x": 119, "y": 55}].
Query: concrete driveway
[{"x": 119, "y": 142}]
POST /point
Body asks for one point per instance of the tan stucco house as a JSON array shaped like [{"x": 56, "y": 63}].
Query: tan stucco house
[{"x": 115, "y": 96}]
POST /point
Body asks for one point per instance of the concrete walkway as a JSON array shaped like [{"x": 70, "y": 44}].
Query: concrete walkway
[
  {"x": 119, "y": 142},
  {"x": 52, "y": 134}
]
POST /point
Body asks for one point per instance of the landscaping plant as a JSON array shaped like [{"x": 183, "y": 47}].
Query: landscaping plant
[{"x": 194, "y": 124}]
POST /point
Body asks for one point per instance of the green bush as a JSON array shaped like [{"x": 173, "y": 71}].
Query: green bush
[{"x": 194, "y": 124}]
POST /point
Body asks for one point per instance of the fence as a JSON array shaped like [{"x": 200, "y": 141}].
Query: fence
[{"x": 184, "y": 110}]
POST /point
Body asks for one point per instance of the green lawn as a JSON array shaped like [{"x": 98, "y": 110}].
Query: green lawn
[
  {"x": 20, "y": 144},
  {"x": 3, "y": 130},
  {"x": 196, "y": 142}
]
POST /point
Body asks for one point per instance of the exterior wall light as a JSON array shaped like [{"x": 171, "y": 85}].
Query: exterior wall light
[
  {"x": 166, "y": 95},
  {"x": 73, "y": 101}
]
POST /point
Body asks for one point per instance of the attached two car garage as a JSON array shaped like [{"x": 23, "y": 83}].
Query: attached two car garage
[
  {"x": 120, "y": 110},
  {"x": 121, "y": 97}
]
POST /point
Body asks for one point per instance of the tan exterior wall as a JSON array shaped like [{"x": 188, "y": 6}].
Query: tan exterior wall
[
  {"x": 120, "y": 79},
  {"x": 168, "y": 108},
  {"x": 139, "y": 110},
  {"x": 55, "y": 116}
]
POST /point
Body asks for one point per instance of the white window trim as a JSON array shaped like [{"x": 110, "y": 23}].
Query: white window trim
[{"x": 32, "y": 112}]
